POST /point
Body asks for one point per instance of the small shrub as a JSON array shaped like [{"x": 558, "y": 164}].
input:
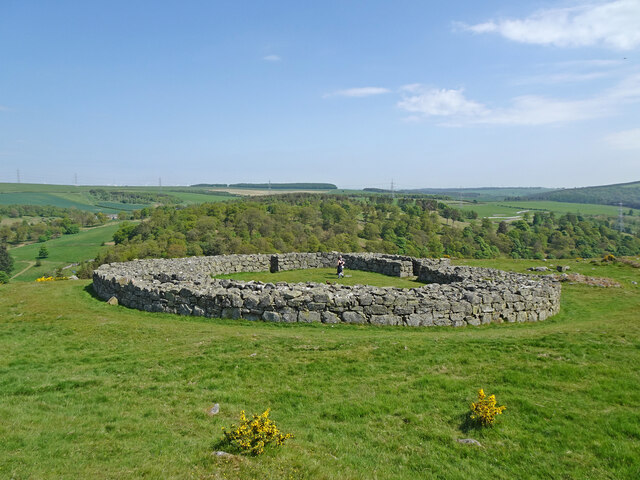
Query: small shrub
[
  {"x": 609, "y": 258},
  {"x": 45, "y": 278},
  {"x": 484, "y": 411},
  {"x": 252, "y": 435},
  {"x": 43, "y": 252},
  {"x": 4, "y": 277}
]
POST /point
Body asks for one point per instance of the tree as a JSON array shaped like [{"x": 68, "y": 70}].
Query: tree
[
  {"x": 43, "y": 252},
  {"x": 6, "y": 260}
]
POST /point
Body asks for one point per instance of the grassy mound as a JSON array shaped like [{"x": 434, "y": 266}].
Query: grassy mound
[{"x": 88, "y": 390}]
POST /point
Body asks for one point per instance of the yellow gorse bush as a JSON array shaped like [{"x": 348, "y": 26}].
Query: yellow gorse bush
[
  {"x": 50, "y": 279},
  {"x": 484, "y": 411},
  {"x": 252, "y": 435}
]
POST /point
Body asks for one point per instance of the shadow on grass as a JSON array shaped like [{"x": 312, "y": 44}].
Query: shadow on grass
[
  {"x": 467, "y": 424},
  {"x": 89, "y": 289}
]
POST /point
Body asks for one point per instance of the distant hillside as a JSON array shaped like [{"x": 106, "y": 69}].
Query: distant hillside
[
  {"x": 482, "y": 193},
  {"x": 626, "y": 193},
  {"x": 273, "y": 186}
]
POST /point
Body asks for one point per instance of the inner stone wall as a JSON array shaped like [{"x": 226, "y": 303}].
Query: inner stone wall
[{"x": 457, "y": 295}]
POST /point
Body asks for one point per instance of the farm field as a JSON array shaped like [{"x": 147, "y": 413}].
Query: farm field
[
  {"x": 511, "y": 208},
  {"x": 322, "y": 275},
  {"x": 88, "y": 390},
  {"x": 70, "y": 196},
  {"x": 63, "y": 251},
  {"x": 52, "y": 199}
]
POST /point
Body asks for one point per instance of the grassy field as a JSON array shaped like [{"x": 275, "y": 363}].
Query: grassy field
[
  {"x": 71, "y": 196},
  {"x": 88, "y": 390},
  {"x": 63, "y": 251},
  {"x": 510, "y": 208},
  {"x": 323, "y": 275},
  {"x": 53, "y": 199}
]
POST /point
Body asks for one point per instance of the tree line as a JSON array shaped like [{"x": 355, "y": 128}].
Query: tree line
[{"x": 420, "y": 227}]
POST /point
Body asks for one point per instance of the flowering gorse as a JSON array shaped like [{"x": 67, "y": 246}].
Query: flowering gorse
[
  {"x": 50, "y": 279},
  {"x": 484, "y": 411},
  {"x": 251, "y": 435}
]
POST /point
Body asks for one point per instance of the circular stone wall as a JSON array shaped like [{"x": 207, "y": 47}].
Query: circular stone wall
[{"x": 454, "y": 295}]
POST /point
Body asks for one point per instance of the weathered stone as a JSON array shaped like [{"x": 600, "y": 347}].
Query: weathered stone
[
  {"x": 385, "y": 320},
  {"x": 330, "y": 317},
  {"x": 272, "y": 316},
  {"x": 305, "y": 316},
  {"x": 353, "y": 317}
]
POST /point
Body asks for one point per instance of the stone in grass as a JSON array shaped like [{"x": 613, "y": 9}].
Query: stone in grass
[
  {"x": 469, "y": 441},
  {"x": 214, "y": 409},
  {"x": 220, "y": 453},
  {"x": 112, "y": 301}
]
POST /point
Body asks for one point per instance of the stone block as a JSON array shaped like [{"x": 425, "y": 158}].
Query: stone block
[
  {"x": 353, "y": 317},
  {"x": 305, "y": 316},
  {"x": 330, "y": 317}
]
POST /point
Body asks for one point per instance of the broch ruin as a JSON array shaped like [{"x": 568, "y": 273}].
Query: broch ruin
[{"x": 453, "y": 295}]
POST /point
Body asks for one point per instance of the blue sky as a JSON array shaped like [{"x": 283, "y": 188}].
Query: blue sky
[{"x": 424, "y": 94}]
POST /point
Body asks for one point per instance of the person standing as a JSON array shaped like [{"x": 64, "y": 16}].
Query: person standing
[{"x": 341, "y": 263}]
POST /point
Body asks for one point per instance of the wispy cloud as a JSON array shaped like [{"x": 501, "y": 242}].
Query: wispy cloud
[
  {"x": 625, "y": 140},
  {"x": 612, "y": 24},
  {"x": 358, "y": 92},
  {"x": 439, "y": 102},
  {"x": 272, "y": 58},
  {"x": 456, "y": 109},
  {"x": 558, "y": 78}
]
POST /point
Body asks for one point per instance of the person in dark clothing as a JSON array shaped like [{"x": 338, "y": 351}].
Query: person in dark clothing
[{"x": 340, "y": 267}]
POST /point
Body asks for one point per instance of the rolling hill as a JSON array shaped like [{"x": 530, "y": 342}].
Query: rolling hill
[{"x": 627, "y": 194}]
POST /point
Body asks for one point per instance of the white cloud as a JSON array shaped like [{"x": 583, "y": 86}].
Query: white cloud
[
  {"x": 612, "y": 24},
  {"x": 272, "y": 58},
  {"x": 625, "y": 140},
  {"x": 358, "y": 92},
  {"x": 522, "y": 110},
  {"x": 439, "y": 102}
]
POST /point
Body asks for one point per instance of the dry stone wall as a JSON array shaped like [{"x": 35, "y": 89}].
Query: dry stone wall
[{"x": 455, "y": 295}]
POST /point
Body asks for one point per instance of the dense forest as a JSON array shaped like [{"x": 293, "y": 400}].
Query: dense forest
[
  {"x": 418, "y": 227},
  {"x": 627, "y": 194}
]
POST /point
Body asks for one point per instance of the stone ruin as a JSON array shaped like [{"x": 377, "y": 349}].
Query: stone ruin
[{"x": 452, "y": 296}]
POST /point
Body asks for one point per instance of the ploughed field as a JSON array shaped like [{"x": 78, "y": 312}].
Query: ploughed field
[
  {"x": 88, "y": 390},
  {"x": 324, "y": 275}
]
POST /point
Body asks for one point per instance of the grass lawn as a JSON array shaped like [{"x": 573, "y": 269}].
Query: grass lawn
[
  {"x": 323, "y": 275},
  {"x": 88, "y": 390},
  {"x": 63, "y": 251}
]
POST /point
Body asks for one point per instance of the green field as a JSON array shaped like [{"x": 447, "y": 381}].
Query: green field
[
  {"x": 52, "y": 199},
  {"x": 88, "y": 390},
  {"x": 70, "y": 196},
  {"x": 511, "y": 208},
  {"x": 63, "y": 251},
  {"x": 323, "y": 275}
]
